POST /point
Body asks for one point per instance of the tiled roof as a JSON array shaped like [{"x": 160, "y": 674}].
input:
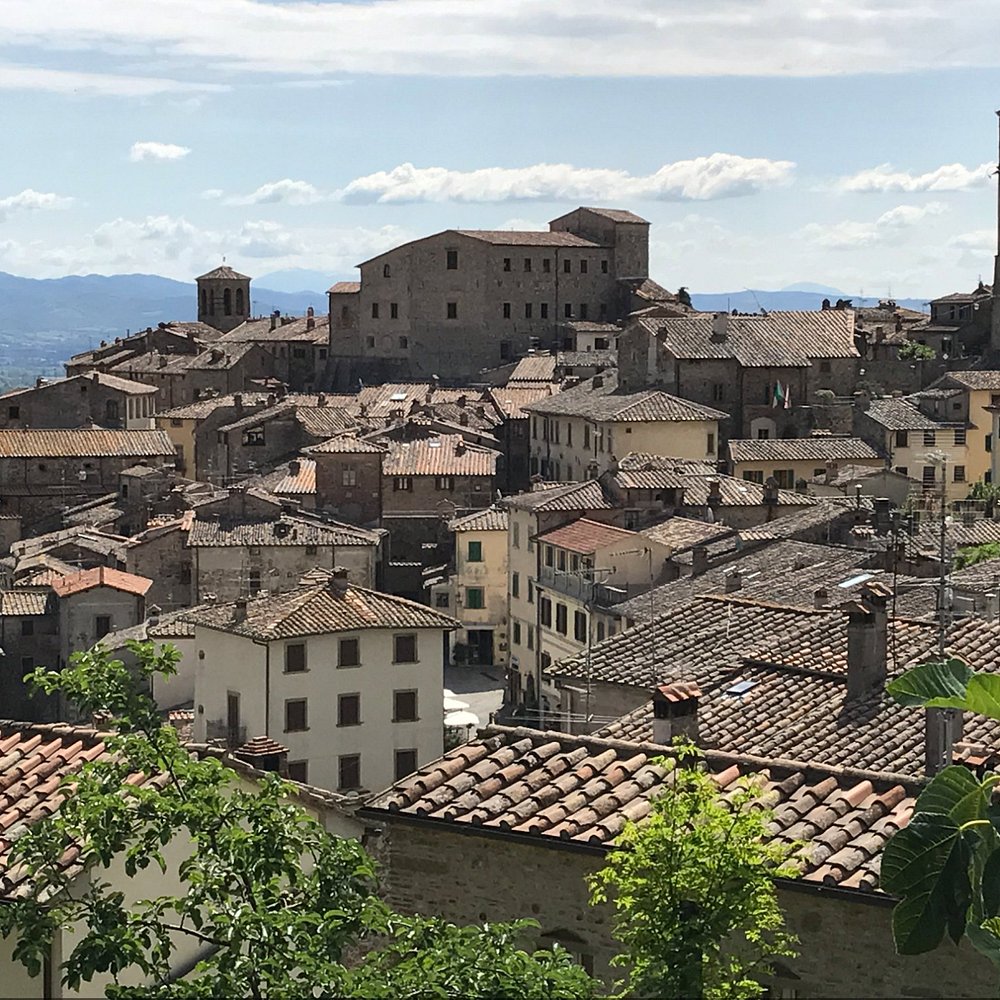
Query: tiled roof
[
  {"x": 738, "y": 493},
  {"x": 534, "y": 368},
  {"x": 22, "y": 603},
  {"x": 345, "y": 445},
  {"x": 585, "y": 536},
  {"x": 585, "y": 496},
  {"x": 319, "y": 609},
  {"x": 779, "y": 339},
  {"x": 846, "y": 474},
  {"x": 446, "y": 455},
  {"x": 685, "y": 532},
  {"x": 651, "y": 291},
  {"x": 491, "y": 519},
  {"x": 513, "y": 238},
  {"x": 124, "y": 385},
  {"x": 101, "y": 576},
  {"x": 205, "y": 407},
  {"x": 587, "y": 359},
  {"x": 162, "y": 627},
  {"x": 284, "y": 482},
  {"x": 583, "y": 790},
  {"x": 285, "y": 531},
  {"x": 974, "y": 380},
  {"x": 897, "y": 414},
  {"x": 808, "y": 449},
  {"x": 512, "y": 399},
  {"x": 152, "y": 363},
  {"x": 826, "y": 515},
  {"x": 32, "y": 443},
  {"x": 298, "y": 330},
  {"x": 345, "y": 288},
  {"x": 602, "y": 402},
  {"x": 224, "y": 272}
]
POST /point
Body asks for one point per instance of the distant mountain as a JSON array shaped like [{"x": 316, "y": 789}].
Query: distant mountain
[
  {"x": 753, "y": 300},
  {"x": 811, "y": 286},
  {"x": 297, "y": 280}
]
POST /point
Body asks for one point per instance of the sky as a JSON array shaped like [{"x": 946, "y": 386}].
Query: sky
[{"x": 849, "y": 143}]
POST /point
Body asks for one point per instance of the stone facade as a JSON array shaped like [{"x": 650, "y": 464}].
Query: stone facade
[
  {"x": 349, "y": 481},
  {"x": 223, "y": 298},
  {"x": 80, "y": 401}
]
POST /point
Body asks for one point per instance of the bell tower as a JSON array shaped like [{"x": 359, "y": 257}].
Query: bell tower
[{"x": 223, "y": 298}]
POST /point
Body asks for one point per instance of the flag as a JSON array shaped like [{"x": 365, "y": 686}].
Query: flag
[
  {"x": 779, "y": 396},
  {"x": 788, "y": 397}
]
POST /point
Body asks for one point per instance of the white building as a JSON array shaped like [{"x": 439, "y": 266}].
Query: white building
[{"x": 349, "y": 680}]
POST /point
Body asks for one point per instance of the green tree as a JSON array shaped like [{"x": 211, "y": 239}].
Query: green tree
[
  {"x": 910, "y": 350},
  {"x": 270, "y": 897},
  {"x": 969, "y": 555},
  {"x": 944, "y": 865},
  {"x": 697, "y": 913}
]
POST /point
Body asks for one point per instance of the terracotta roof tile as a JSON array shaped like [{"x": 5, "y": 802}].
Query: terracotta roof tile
[
  {"x": 101, "y": 576},
  {"x": 812, "y": 449},
  {"x": 491, "y": 519},
  {"x": 445, "y": 455},
  {"x": 32, "y": 443},
  {"x": 585, "y": 536}
]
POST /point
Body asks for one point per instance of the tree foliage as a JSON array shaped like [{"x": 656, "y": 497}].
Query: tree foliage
[
  {"x": 271, "y": 900},
  {"x": 910, "y": 350},
  {"x": 696, "y": 908},
  {"x": 944, "y": 865},
  {"x": 969, "y": 555}
]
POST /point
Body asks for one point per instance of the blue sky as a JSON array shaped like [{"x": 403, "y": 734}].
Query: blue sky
[{"x": 845, "y": 142}]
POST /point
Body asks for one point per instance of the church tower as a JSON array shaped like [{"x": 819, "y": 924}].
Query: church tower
[{"x": 223, "y": 298}]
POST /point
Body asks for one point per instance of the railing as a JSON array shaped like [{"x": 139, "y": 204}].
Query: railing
[{"x": 583, "y": 589}]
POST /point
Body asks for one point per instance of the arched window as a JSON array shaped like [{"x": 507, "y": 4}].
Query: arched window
[
  {"x": 204, "y": 302},
  {"x": 211, "y": 303},
  {"x": 227, "y": 302},
  {"x": 386, "y": 271},
  {"x": 240, "y": 305}
]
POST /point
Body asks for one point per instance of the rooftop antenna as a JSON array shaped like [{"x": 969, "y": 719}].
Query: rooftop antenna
[{"x": 760, "y": 308}]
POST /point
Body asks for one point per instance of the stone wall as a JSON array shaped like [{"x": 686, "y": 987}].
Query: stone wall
[
  {"x": 845, "y": 939},
  {"x": 360, "y": 503}
]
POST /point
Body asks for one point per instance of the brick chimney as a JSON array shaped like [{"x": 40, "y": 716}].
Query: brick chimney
[
  {"x": 867, "y": 639},
  {"x": 942, "y": 730},
  {"x": 264, "y": 754},
  {"x": 675, "y": 712},
  {"x": 338, "y": 580}
]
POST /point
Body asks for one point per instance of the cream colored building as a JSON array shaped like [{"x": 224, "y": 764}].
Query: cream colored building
[
  {"x": 791, "y": 460},
  {"x": 579, "y": 433},
  {"x": 974, "y": 393},
  {"x": 349, "y": 680},
  {"x": 476, "y": 592}
]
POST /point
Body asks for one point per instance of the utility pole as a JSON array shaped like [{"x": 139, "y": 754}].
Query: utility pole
[{"x": 995, "y": 314}]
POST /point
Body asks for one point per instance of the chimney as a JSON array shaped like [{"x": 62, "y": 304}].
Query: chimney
[
  {"x": 720, "y": 326},
  {"x": 294, "y": 467},
  {"x": 161, "y": 361},
  {"x": 238, "y": 401},
  {"x": 310, "y": 321},
  {"x": 271, "y": 399},
  {"x": 40, "y": 380},
  {"x": 321, "y": 399},
  {"x": 867, "y": 639},
  {"x": 338, "y": 580},
  {"x": 942, "y": 730},
  {"x": 461, "y": 400},
  {"x": 274, "y": 320},
  {"x": 264, "y": 754},
  {"x": 240, "y": 610},
  {"x": 460, "y": 447},
  {"x": 699, "y": 560},
  {"x": 597, "y": 382},
  {"x": 733, "y": 581},
  {"x": 820, "y": 598},
  {"x": 675, "y": 712},
  {"x": 881, "y": 515},
  {"x": 771, "y": 491},
  {"x": 310, "y": 313}
]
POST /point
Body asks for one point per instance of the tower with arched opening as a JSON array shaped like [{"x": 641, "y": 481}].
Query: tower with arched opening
[{"x": 223, "y": 298}]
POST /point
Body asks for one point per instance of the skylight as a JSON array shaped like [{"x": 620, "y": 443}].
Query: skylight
[
  {"x": 855, "y": 580},
  {"x": 740, "y": 687},
  {"x": 398, "y": 397}
]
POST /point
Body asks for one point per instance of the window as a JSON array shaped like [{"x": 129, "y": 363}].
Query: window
[
  {"x": 546, "y": 264},
  {"x": 254, "y": 438},
  {"x": 296, "y": 715},
  {"x": 404, "y": 706},
  {"x": 349, "y": 771},
  {"x": 402, "y": 484},
  {"x": 27, "y": 626},
  {"x": 763, "y": 433},
  {"x": 602, "y": 311},
  {"x": 549, "y": 556},
  {"x": 785, "y": 478},
  {"x": 600, "y": 631},
  {"x": 386, "y": 271},
  {"x": 545, "y": 611},
  {"x": 824, "y": 367},
  {"x": 902, "y": 470},
  {"x": 754, "y": 477},
  {"x": 515, "y": 584},
  {"x": 543, "y": 310},
  {"x": 474, "y": 598},
  {"x": 959, "y": 435},
  {"x": 374, "y": 310},
  {"x": 506, "y": 310},
  {"x": 586, "y": 435},
  {"x": 568, "y": 310},
  {"x": 902, "y": 439},
  {"x": 819, "y": 473},
  {"x": 349, "y": 710},
  {"x": 988, "y": 442},
  {"x": 604, "y": 267},
  {"x": 527, "y": 310},
  {"x": 348, "y": 475},
  {"x": 345, "y": 314},
  {"x": 452, "y": 310},
  {"x": 310, "y": 550},
  {"x": 928, "y": 475},
  {"x": 451, "y": 260},
  {"x": 370, "y": 341},
  {"x": 929, "y": 439},
  {"x": 527, "y": 263},
  {"x": 404, "y": 648},
  {"x": 506, "y": 263},
  {"x": 531, "y": 591},
  {"x": 441, "y": 599},
  {"x": 959, "y": 473},
  {"x": 298, "y": 352},
  {"x": 516, "y": 633},
  {"x": 349, "y": 652},
  {"x": 253, "y": 581},
  {"x": 227, "y": 302},
  {"x": 567, "y": 267},
  {"x": 233, "y": 719},
  {"x": 102, "y": 626},
  {"x": 475, "y": 552},
  {"x": 580, "y": 626},
  {"x": 406, "y": 763},
  {"x": 583, "y": 266},
  {"x": 531, "y": 637},
  {"x": 446, "y": 483},
  {"x": 561, "y": 560},
  {"x": 711, "y": 444},
  {"x": 298, "y": 770},
  {"x": 718, "y": 392},
  {"x": 561, "y": 619},
  {"x": 393, "y": 310},
  {"x": 515, "y": 535},
  {"x": 404, "y": 343},
  {"x": 295, "y": 657},
  {"x": 583, "y": 310}
]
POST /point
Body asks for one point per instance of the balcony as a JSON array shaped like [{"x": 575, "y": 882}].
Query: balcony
[{"x": 584, "y": 589}]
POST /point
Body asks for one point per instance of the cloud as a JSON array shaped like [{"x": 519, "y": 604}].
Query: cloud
[
  {"x": 719, "y": 175},
  {"x": 212, "y": 194},
  {"x": 978, "y": 241},
  {"x": 888, "y": 228},
  {"x": 142, "y": 151},
  {"x": 287, "y": 192},
  {"x": 950, "y": 177},
  {"x": 683, "y": 38},
  {"x": 31, "y": 201},
  {"x": 79, "y": 84}
]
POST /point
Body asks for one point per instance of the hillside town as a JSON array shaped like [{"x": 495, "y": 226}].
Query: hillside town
[{"x": 464, "y": 556}]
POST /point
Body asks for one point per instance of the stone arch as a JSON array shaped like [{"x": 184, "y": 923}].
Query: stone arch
[{"x": 227, "y": 302}]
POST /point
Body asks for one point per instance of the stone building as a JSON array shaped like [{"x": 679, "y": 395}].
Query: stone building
[
  {"x": 96, "y": 398},
  {"x": 296, "y": 348},
  {"x": 791, "y": 461},
  {"x": 161, "y": 553},
  {"x": 164, "y": 338},
  {"x": 349, "y": 481},
  {"x": 464, "y": 300},
  {"x": 223, "y": 298}
]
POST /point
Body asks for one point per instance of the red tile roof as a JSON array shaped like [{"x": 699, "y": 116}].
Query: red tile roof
[
  {"x": 585, "y": 536},
  {"x": 101, "y": 576},
  {"x": 446, "y": 455},
  {"x": 78, "y": 443}
]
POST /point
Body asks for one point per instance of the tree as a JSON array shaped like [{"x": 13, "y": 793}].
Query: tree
[
  {"x": 273, "y": 900},
  {"x": 944, "y": 865},
  {"x": 969, "y": 555},
  {"x": 911, "y": 350},
  {"x": 696, "y": 907}
]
